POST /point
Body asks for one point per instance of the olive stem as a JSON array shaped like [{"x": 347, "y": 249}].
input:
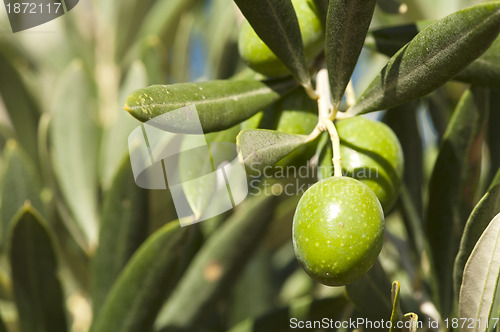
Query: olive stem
[
  {"x": 334, "y": 137},
  {"x": 310, "y": 90}
]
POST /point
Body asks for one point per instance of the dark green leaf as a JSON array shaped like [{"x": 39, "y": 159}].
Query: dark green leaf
[
  {"x": 2, "y": 326},
  {"x": 286, "y": 319},
  {"x": 396, "y": 314},
  {"x": 261, "y": 147},
  {"x": 433, "y": 57},
  {"x": 493, "y": 135},
  {"x": 137, "y": 295},
  {"x": 487, "y": 208},
  {"x": 371, "y": 294},
  {"x": 37, "y": 289},
  {"x": 452, "y": 188},
  {"x": 220, "y": 104},
  {"x": 23, "y": 110},
  {"x": 124, "y": 226},
  {"x": 20, "y": 184},
  {"x": 322, "y": 6},
  {"x": 481, "y": 275},
  {"x": 275, "y": 22},
  {"x": 75, "y": 135},
  {"x": 217, "y": 264},
  {"x": 346, "y": 27}
]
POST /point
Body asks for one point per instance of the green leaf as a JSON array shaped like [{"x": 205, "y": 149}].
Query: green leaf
[
  {"x": 21, "y": 106},
  {"x": 217, "y": 264},
  {"x": 452, "y": 189},
  {"x": 322, "y": 6},
  {"x": 493, "y": 135},
  {"x": 481, "y": 275},
  {"x": 485, "y": 71},
  {"x": 288, "y": 318},
  {"x": 433, "y": 57},
  {"x": 346, "y": 25},
  {"x": 124, "y": 226},
  {"x": 137, "y": 295},
  {"x": 275, "y": 22},
  {"x": 20, "y": 184},
  {"x": 2, "y": 325},
  {"x": 220, "y": 104},
  {"x": 75, "y": 135},
  {"x": 396, "y": 314},
  {"x": 478, "y": 220},
  {"x": 261, "y": 147},
  {"x": 37, "y": 289},
  {"x": 114, "y": 142},
  {"x": 370, "y": 294},
  {"x": 410, "y": 322}
]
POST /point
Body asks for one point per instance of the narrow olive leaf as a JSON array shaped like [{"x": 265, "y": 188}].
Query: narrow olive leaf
[
  {"x": 433, "y": 57},
  {"x": 128, "y": 15},
  {"x": 322, "y": 6},
  {"x": 346, "y": 25},
  {"x": 370, "y": 294},
  {"x": 396, "y": 314},
  {"x": 114, "y": 142},
  {"x": 137, "y": 295},
  {"x": 275, "y": 22},
  {"x": 22, "y": 108},
  {"x": 392, "y": 6},
  {"x": 483, "y": 213},
  {"x": 220, "y": 104},
  {"x": 410, "y": 322},
  {"x": 480, "y": 277},
  {"x": 262, "y": 147},
  {"x": 37, "y": 289},
  {"x": 485, "y": 71},
  {"x": 452, "y": 189},
  {"x": 217, "y": 264},
  {"x": 493, "y": 135},
  {"x": 75, "y": 135},
  {"x": 294, "y": 315},
  {"x": 123, "y": 228},
  {"x": 20, "y": 184}
]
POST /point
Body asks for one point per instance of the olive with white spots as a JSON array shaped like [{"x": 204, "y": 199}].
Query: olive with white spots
[
  {"x": 338, "y": 230},
  {"x": 371, "y": 153}
]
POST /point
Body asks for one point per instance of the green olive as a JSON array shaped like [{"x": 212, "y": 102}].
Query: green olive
[
  {"x": 260, "y": 58},
  {"x": 338, "y": 230},
  {"x": 371, "y": 153}
]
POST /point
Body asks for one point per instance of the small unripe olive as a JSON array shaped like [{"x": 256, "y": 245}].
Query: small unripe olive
[
  {"x": 371, "y": 153},
  {"x": 260, "y": 58},
  {"x": 338, "y": 230}
]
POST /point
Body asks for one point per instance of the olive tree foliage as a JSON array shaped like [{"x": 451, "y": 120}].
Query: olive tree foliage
[{"x": 83, "y": 247}]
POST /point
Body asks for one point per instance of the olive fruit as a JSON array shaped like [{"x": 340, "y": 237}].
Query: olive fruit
[
  {"x": 371, "y": 153},
  {"x": 261, "y": 59},
  {"x": 338, "y": 230}
]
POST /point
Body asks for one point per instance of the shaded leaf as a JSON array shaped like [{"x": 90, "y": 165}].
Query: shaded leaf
[
  {"x": 20, "y": 184},
  {"x": 481, "y": 275},
  {"x": 493, "y": 135},
  {"x": 217, "y": 264},
  {"x": 37, "y": 290},
  {"x": 392, "y": 6},
  {"x": 434, "y": 56},
  {"x": 22, "y": 108},
  {"x": 137, "y": 295},
  {"x": 370, "y": 294},
  {"x": 275, "y": 22},
  {"x": 396, "y": 314},
  {"x": 346, "y": 25},
  {"x": 114, "y": 142},
  {"x": 261, "y": 147},
  {"x": 452, "y": 189},
  {"x": 288, "y": 318},
  {"x": 220, "y": 104},
  {"x": 75, "y": 135},
  {"x": 487, "y": 208},
  {"x": 322, "y": 6},
  {"x": 124, "y": 226}
]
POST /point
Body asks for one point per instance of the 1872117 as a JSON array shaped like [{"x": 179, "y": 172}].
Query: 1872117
[
  {"x": 33, "y": 8},
  {"x": 471, "y": 323}
]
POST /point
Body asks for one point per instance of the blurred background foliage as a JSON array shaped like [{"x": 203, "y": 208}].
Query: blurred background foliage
[{"x": 72, "y": 217}]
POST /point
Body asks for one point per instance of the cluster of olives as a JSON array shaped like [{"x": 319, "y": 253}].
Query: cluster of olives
[{"x": 338, "y": 226}]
